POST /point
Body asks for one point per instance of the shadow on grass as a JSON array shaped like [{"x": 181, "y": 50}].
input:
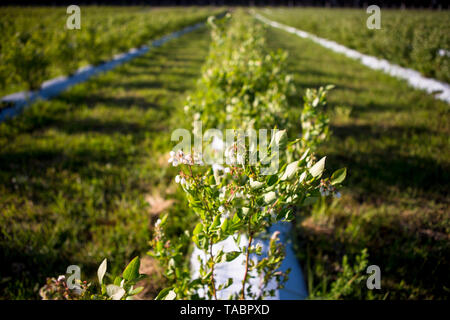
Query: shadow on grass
[
  {"x": 398, "y": 182},
  {"x": 68, "y": 162}
]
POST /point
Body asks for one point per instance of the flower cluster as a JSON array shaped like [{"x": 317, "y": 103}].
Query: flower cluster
[
  {"x": 179, "y": 157},
  {"x": 326, "y": 189},
  {"x": 57, "y": 289}
]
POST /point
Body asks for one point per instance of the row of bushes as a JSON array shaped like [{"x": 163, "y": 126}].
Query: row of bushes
[
  {"x": 415, "y": 39},
  {"x": 37, "y": 46},
  {"x": 245, "y": 88}
]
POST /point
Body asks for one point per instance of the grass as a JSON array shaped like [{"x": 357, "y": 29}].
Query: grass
[
  {"x": 77, "y": 173},
  {"x": 394, "y": 141},
  {"x": 84, "y": 176},
  {"x": 411, "y": 38},
  {"x": 37, "y": 41}
]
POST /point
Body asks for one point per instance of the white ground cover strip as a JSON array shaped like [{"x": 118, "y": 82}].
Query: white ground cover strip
[
  {"x": 55, "y": 86},
  {"x": 295, "y": 288},
  {"x": 441, "y": 90}
]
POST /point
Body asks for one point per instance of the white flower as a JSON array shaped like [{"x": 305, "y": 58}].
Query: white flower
[
  {"x": 173, "y": 158},
  {"x": 158, "y": 222},
  {"x": 177, "y": 179},
  {"x": 217, "y": 144},
  {"x": 227, "y": 170},
  {"x": 61, "y": 278},
  {"x": 217, "y": 167},
  {"x": 241, "y": 158},
  {"x": 221, "y": 209},
  {"x": 198, "y": 158},
  {"x": 183, "y": 181}
]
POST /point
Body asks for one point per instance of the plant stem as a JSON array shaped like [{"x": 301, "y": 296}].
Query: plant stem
[
  {"x": 212, "y": 272},
  {"x": 246, "y": 265}
]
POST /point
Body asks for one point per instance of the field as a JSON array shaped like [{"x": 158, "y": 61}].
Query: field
[
  {"x": 411, "y": 38},
  {"x": 85, "y": 176},
  {"x": 394, "y": 141},
  {"x": 37, "y": 45},
  {"x": 77, "y": 171}
]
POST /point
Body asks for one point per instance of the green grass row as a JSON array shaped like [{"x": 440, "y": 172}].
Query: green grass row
[
  {"x": 394, "y": 141},
  {"x": 37, "y": 46},
  {"x": 411, "y": 38},
  {"x": 77, "y": 173}
]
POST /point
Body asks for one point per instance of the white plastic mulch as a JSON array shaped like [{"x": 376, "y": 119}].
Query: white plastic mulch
[
  {"x": 441, "y": 90},
  {"x": 295, "y": 288},
  {"x": 55, "y": 86}
]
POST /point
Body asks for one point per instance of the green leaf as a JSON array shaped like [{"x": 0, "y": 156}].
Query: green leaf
[
  {"x": 215, "y": 223},
  {"x": 101, "y": 271},
  {"x": 338, "y": 176},
  {"x": 228, "y": 283},
  {"x": 198, "y": 229},
  {"x": 290, "y": 171},
  {"x": 224, "y": 225},
  {"x": 230, "y": 256},
  {"x": 164, "y": 219},
  {"x": 164, "y": 293},
  {"x": 136, "y": 291},
  {"x": 317, "y": 169},
  {"x": 131, "y": 272},
  {"x": 271, "y": 180}
]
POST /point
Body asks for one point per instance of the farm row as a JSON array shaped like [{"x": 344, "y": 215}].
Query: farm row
[
  {"x": 415, "y": 39},
  {"x": 394, "y": 141},
  {"x": 37, "y": 46},
  {"x": 85, "y": 176},
  {"x": 78, "y": 173},
  {"x": 237, "y": 199}
]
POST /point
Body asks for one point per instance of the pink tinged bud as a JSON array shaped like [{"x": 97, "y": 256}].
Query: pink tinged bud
[{"x": 275, "y": 235}]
